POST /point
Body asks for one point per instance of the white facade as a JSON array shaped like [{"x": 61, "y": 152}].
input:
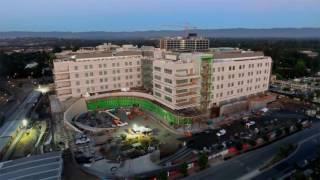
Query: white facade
[
  {"x": 230, "y": 78},
  {"x": 177, "y": 80},
  {"x": 78, "y": 76},
  {"x": 241, "y": 77},
  {"x": 176, "y": 83}
]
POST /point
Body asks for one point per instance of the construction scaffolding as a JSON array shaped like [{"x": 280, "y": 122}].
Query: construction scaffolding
[
  {"x": 206, "y": 72},
  {"x": 147, "y": 77},
  {"x": 160, "y": 112}
]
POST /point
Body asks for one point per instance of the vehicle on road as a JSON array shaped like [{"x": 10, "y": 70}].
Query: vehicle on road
[
  {"x": 82, "y": 139},
  {"x": 221, "y": 132},
  {"x": 249, "y": 124}
]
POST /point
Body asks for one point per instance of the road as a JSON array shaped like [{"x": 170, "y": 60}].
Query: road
[
  {"x": 306, "y": 149},
  {"x": 18, "y": 93},
  {"x": 248, "y": 163},
  {"x": 13, "y": 122}
]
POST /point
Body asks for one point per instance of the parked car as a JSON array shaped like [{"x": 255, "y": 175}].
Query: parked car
[
  {"x": 221, "y": 132},
  {"x": 82, "y": 140},
  {"x": 249, "y": 124},
  {"x": 122, "y": 124}
]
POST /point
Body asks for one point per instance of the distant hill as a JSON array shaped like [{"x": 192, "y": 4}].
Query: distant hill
[{"x": 210, "y": 33}]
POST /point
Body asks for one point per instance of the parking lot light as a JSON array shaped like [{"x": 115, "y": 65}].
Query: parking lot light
[{"x": 24, "y": 123}]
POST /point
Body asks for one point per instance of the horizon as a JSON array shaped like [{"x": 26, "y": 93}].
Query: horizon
[
  {"x": 141, "y": 15},
  {"x": 175, "y": 30}
]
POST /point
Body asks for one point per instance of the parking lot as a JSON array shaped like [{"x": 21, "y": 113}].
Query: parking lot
[{"x": 263, "y": 126}]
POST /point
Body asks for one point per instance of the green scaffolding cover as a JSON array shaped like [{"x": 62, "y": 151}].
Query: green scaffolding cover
[{"x": 116, "y": 102}]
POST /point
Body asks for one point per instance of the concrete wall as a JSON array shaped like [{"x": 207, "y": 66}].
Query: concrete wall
[
  {"x": 76, "y": 108},
  {"x": 234, "y": 107}
]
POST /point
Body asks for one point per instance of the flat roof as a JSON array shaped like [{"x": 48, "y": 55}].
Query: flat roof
[
  {"x": 95, "y": 54},
  {"x": 229, "y": 55},
  {"x": 44, "y": 166}
]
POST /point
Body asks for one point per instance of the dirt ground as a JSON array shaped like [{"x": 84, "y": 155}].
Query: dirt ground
[{"x": 169, "y": 142}]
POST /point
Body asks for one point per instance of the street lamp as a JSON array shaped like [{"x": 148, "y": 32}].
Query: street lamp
[{"x": 24, "y": 123}]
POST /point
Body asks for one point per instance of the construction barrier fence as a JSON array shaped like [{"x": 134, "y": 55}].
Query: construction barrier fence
[{"x": 117, "y": 102}]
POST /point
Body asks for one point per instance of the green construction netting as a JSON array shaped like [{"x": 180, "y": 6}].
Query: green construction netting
[
  {"x": 116, "y": 102},
  {"x": 208, "y": 58}
]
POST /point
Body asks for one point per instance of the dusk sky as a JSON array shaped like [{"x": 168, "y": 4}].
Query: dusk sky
[{"x": 131, "y": 15}]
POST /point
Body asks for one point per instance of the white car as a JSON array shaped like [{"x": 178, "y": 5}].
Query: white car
[
  {"x": 251, "y": 123},
  {"x": 141, "y": 129},
  {"x": 82, "y": 141},
  {"x": 221, "y": 132},
  {"x": 122, "y": 124}
]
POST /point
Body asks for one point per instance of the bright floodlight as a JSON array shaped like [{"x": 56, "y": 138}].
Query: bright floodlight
[
  {"x": 24, "y": 122},
  {"x": 134, "y": 126},
  {"x": 43, "y": 89}
]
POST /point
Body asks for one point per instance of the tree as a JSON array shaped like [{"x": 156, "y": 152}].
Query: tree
[
  {"x": 265, "y": 138},
  {"x": 286, "y": 89},
  {"x": 2, "y": 119},
  {"x": 56, "y": 49},
  {"x": 300, "y": 68},
  {"x": 252, "y": 142},
  {"x": 317, "y": 164},
  {"x": 298, "y": 176},
  {"x": 75, "y": 48},
  {"x": 203, "y": 161},
  {"x": 162, "y": 175},
  {"x": 238, "y": 146},
  {"x": 184, "y": 169},
  {"x": 317, "y": 167},
  {"x": 278, "y": 132},
  {"x": 123, "y": 136},
  {"x": 287, "y": 130},
  {"x": 299, "y": 126}
]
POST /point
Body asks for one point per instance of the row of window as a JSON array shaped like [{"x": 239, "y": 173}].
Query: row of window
[
  {"x": 90, "y": 74},
  {"x": 90, "y": 66},
  {"x": 183, "y": 81},
  {"x": 167, "y": 98},
  {"x": 106, "y": 87},
  {"x": 231, "y": 84},
  {"x": 106, "y": 79},
  {"x": 232, "y": 76},
  {"x": 231, "y": 92},
  {"x": 167, "y": 89},
  {"x": 232, "y": 68}
]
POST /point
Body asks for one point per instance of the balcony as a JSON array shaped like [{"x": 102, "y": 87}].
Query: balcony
[
  {"x": 65, "y": 84},
  {"x": 187, "y": 85},
  {"x": 185, "y": 75},
  {"x": 61, "y": 77},
  {"x": 188, "y": 94},
  {"x": 61, "y": 71},
  {"x": 187, "y": 104},
  {"x": 64, "y": 92}
]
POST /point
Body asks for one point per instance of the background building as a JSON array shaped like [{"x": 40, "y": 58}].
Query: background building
[{"x": 189, "y": 43}]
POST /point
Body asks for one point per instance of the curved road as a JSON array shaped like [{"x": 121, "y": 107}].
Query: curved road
[
  {"x": 306, "y": 150},
  {"x": 247, "y": 165}
]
